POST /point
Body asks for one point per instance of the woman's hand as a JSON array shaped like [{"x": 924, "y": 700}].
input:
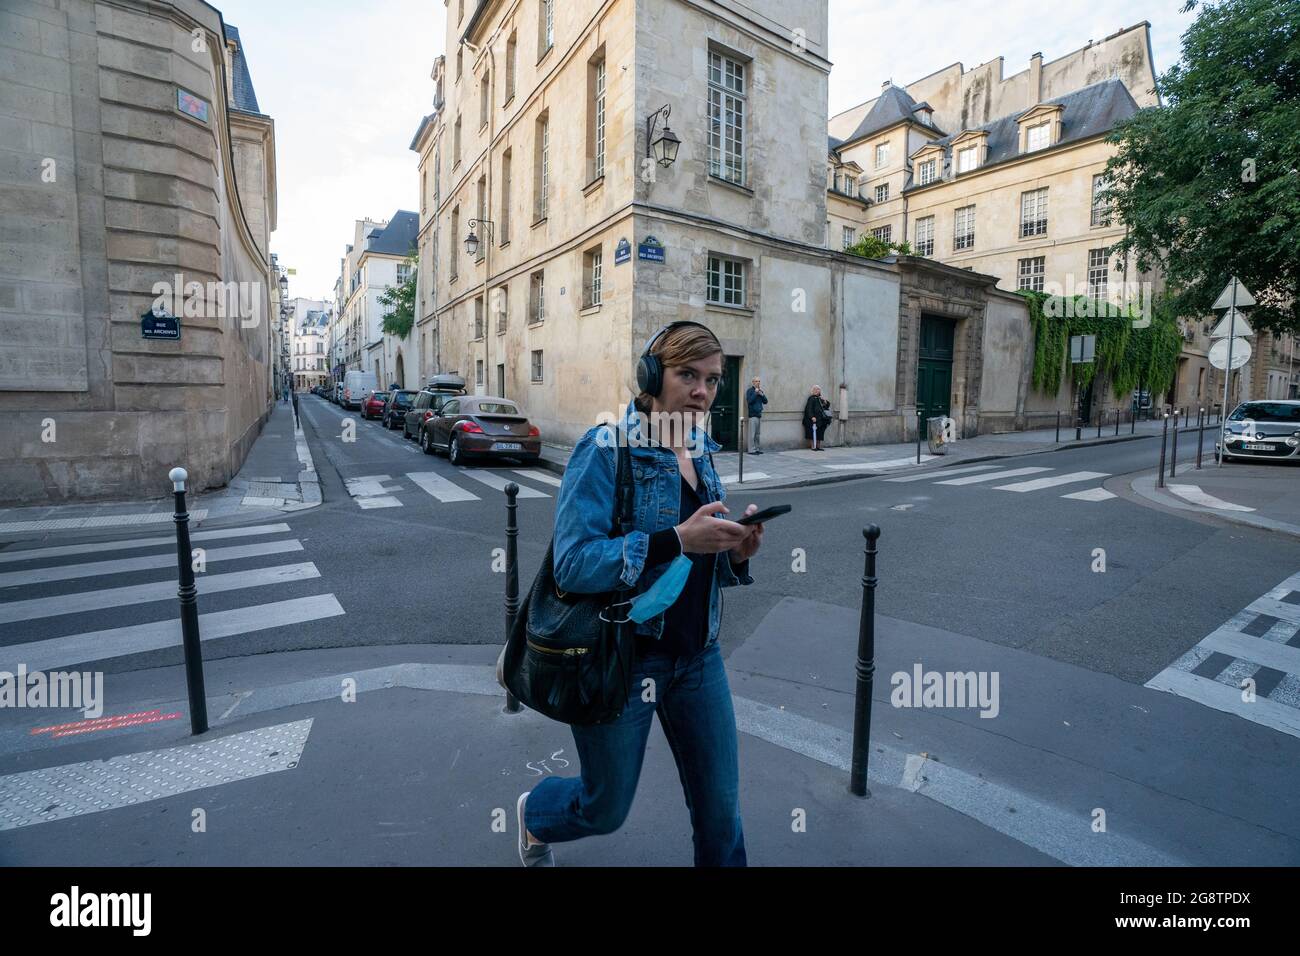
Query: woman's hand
[
  {"x": 748, "y": 547},
  {"x": 701, "y": 533}
]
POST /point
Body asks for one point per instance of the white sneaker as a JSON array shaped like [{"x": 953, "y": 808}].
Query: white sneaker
[{"x": 539, "y": 854}]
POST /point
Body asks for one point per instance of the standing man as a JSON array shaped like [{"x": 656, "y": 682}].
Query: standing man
[{"x": 755, "y": 399}]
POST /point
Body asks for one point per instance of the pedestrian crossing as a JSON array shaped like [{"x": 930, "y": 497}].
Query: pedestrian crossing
[
  {"x": 86, "y": 589},
  {"x": 1250, "y": 665},
  {"x": 382, "y": 491},
  {"x": 990, "y": 476}
]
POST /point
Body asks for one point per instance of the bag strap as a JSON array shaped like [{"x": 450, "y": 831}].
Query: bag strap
[{"x": 624, "y": 498}]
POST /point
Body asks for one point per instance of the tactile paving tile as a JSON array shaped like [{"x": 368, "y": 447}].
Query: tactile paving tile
[{"x": 55, "y": 793}]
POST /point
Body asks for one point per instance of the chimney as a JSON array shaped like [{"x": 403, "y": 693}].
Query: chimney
[
  {"x": 1035, "y": 80},
  {"x": 886, "y": 85}
]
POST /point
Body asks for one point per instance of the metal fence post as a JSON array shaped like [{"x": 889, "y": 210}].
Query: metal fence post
[
  {"x": 1058, "y": 426},
  {"x": 1164, "y": 436},
  {"x": 918, "y": 436},
  {"x": 512, "y": 576},
  {"x": 866, "y": 669},
  {"x": 1118, "y": 412},
  {"x": 188, "y": 594},
  {"x": 1100, "y": 415},
  {"x": 1200, "y": 435},
  {"x": 1173, "y": 456},
  {"x": 744, "y": 439}
]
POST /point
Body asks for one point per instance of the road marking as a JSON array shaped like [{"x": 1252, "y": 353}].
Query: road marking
[
  {"x": 1091, "y": 494},
  {"x": 60, "y": 604},
  {"x": 1225, "y": 697},
  {"x": 947, "y": 471},
  {"x": 735, "y": 479},
  {"x": 1257, "y": 650},
  {"x": 499, "y": 482},
  {"x": 1037, "y": 484},
  {"x": 877, "y": 465},
  {"x": 126, "y": 544},
  {"x": 383, "y": 501},
  {"x": 56, "y": 793},
  {"x": 1196, "y": 496},
  {"x": 99, "y": 521},
  {"x": 996, "y": 476},
  {"x": 367, "y": 486},
  {"x": 68, "y": 572},
  {"x": 538, "y": 476},
  {"x": 61, "y": 652},
  {"x": 440, "y": 487},
  {"x": 1274, "y": 608}
]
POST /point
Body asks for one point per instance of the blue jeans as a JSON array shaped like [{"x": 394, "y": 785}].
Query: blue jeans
[{"x": 693, "y": 701}]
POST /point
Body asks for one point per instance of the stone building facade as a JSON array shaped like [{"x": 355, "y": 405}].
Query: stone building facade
[
  {"x": 375, "y": 261},
  {"x": 138, "y": 171}
]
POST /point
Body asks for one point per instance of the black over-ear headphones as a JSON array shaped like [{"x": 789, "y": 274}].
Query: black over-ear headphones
[{"x": 649, "y": 370}]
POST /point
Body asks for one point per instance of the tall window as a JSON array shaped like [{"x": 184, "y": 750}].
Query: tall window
[
  {"x": 1033, "y": 213},
  {"x": 403, "y": 273},
  {"x": 591, "y": 277},
  {"x": 1030, "y": 274},
  {"x": 1100, "y": 201},
  {"x": 537, "y": 365},
  {"x": 883, "y": 233},
  {"x": 455, "y": 143},
  {"x": 537, "y": 296},
  {"x": 484, "y": 99},
  {"x": 882, "y": 155},
  {"x": 963, "y": 230},
  {"x": 512, "y": 59},
  {"x": 504, "y": 226},
  {"x": 1098, "y": 272},
  {"x": 726, "y": 281},
  {"x": 501, "y": 305},
  {"x": 927, "y": 172},
  {"x": 545, "y": 26},
  {"x": 482, "y": 214},
  {"x": 478, "y": 318},
  {"x": 925, "y": 236},
  {"x": 850, "y": 236},
  {"x": 882, "y": 193},
  {"x": 453, "y": 253},
  {"x": 596, "y": 117},
  {"x": 726, "y": 118},
  {"x": 967, "y": 159},
  {"x": 1038, "y": 137},
  {"x": 541, "y": 167},
  {"x": 478, "y": 372},
  {"x": 460, "y": 61}
]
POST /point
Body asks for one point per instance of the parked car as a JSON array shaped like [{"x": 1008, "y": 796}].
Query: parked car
[
  {"x": 1262, "y": 429},
  {"x": 481, "y": 425},
  {"x": 372, "y": 406},
  {"x": 357, "y": 386},
  {"x": 337, "y": 397},
  {"x": 438, "y": 390},
  {"x": 399, "y": 403}
]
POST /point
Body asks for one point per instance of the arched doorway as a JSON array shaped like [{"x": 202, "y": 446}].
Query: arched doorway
[{"x": 400, "y": 377}]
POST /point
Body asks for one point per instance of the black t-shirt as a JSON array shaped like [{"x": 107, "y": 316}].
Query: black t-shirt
[{"x": 686, "y": 622}]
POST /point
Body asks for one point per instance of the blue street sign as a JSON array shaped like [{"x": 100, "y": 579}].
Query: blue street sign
[
  {"x": 622, "y": 252},
  {"x": 153, "y": 326},
  {"x": 651, "y": 250}
]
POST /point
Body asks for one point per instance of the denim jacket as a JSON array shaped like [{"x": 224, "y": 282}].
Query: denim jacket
[{"x": 587, "y": 560}]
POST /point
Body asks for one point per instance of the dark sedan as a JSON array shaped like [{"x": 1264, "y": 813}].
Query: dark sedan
[
  {"x": 481, "y": 425},
  {"x": 1263, "y": 429},
  {"x": 373, "y": 405},
  {"x": 399, "y": 403}
]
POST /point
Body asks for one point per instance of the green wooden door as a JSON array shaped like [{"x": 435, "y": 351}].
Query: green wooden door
[
  {"x": 726, "y": 404},
  {"x": 934, "y": 368}
]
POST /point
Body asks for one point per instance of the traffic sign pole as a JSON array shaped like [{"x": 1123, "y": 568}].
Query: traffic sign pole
[{"x": 1227, "y": 372}]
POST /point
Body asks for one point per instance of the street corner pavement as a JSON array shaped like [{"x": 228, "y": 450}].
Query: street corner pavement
[{"x": 1264, "y": 495}]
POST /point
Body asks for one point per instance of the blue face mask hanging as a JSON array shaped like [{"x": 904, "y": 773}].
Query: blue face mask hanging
[{"x": 659, "y": 596}]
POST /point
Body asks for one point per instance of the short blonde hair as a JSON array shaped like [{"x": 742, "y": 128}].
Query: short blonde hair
[{"x": 681, "y": 346}]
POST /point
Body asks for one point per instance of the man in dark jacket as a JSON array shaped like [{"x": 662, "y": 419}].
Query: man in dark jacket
[{"x": 755, "y": 399}]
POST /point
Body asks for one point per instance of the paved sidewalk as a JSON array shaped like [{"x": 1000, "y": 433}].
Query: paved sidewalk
[
  {"x": 423, "y": 766},
  {"x": 798, "y": 467},
  {"x": 277, "y": 477},
  {"x": 1264, "y": 495}
]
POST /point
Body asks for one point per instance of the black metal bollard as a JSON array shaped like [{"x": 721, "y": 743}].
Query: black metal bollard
[
  {"x": 866, "y": 670},
  {"x": 188, "y": 594},
  {"x": 918, "y": 436},
  {"x": 744, "y": 437},
  {"x": 1173, "y": 456},
  {"x": 1200, "y": 435},
  {"x": 1118, "y": 411},
  {"x": 1164, "y": 436},
  {"x": 512, "y": 576},
  {"x": 1133, "y": 421},
  {"x": 1099, "y": 417},
  {"x": 1058, "y": 426}
]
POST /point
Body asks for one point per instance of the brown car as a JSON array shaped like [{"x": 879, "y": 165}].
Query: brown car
[{"x": 481, "y": 425}]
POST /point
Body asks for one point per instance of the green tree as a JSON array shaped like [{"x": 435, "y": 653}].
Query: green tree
[
  {"x": 1209, "y": 186},
  {"x": 400, "y": 304}
]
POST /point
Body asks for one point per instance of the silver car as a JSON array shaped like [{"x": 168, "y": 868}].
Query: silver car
[{"x": 1262, "y": 429}]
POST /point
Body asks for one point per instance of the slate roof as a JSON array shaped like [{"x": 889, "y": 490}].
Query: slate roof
[
  {"x": 833, "y": 144},
  {"x": 245, "y": 98},
  {"x": 894, "y": 105},
  {"x": 1088, "y": 112},
  {"x": 398, "y": 239}
]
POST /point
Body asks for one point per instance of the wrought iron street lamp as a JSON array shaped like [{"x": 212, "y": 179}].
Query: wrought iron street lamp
[
  {"x": 471, "y": 241},
  {"x": 663, "y": 149}
]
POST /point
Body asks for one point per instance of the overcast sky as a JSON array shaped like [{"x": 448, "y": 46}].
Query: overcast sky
[{"x": 347, "y": 84}]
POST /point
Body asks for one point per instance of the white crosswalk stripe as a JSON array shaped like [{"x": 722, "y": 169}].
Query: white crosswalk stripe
[
  {"x": 71, "y": 609},
  {"x": 931, "y": 475},
  {"x": 441, "y": 488},
  {"x": 499, "y": 482},
  {"x": 1249, "y": 666},
  {"x": 1091, "y": 494},
  {"x": 986, "y": 474},
  {"x": 541, "y": 476},
  {"x": 1038, "y": 484},
  {"x": 996, "y": 476}
]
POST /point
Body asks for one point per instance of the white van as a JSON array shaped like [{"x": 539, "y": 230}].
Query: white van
[{"x": 357, "y": 386}]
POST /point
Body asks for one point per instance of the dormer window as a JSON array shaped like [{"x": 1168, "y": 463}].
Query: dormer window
[
  {"x": 1038, "y": 137},
  {"x": 927, "y": 172},
  {"x": 1040, "y": 127},
  {"x": 967, "y": 158}
]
